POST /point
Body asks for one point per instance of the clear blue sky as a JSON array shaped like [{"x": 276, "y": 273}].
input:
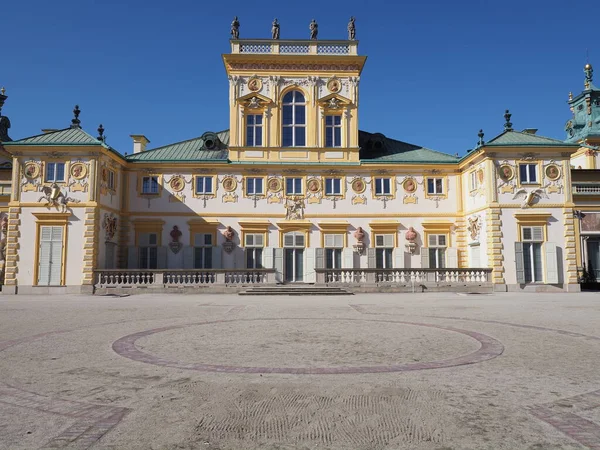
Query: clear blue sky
[{"x": 437, "y": 71}]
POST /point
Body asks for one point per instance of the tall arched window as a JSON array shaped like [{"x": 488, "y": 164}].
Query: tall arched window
[{"x": 294, "y": 120}]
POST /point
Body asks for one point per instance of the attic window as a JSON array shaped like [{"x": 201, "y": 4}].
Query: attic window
[{"x": 209, "y": 144}]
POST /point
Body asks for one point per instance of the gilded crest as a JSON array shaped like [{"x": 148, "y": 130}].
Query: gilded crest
[
  {"x": 359, "y": 186},
  {"x": 31, "y": 170},
  {"x": 78, "y": 170},
  {"x": 229, "y": 184},
  {"x": 177, "y": 183}
]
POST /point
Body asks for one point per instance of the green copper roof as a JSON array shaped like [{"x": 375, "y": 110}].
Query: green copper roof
[
  {"x": 513, "y": 138},
  {"x": 190, "y": 150},
  {"x": 375, "y": 148},
  {"x": 68, "y": 136}
]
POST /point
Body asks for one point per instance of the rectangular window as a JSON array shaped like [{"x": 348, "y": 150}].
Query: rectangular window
[
  {"x": 435, "y": 186},
  {"x": 383, "y": 186},
  {"x": 293, "y": 186},
  {"x": 204, "y": 185},
  {"x": 111, "y": 180},
  {"x": 254, "y": 186},
  {"x": 254, "y": 126},
  {"x": 203, "y": 244},
  {"x": 55, "y": 172},
  {"x": 254, "y": 244},
  {"x": 333, "y": 186},
  {"x": 150, "y": 185},
  {"x": 437, "y": 251},
  {"x": 333, "y": 131},
  {"x": 148, "y": 254},
  {"x": 533, "y": 238},
  {"x": 528, "y": 173},
  {"x": 294, "y": 240},
  {"x": 473, "y": 181},
  {"x": 384, "y": 247}
]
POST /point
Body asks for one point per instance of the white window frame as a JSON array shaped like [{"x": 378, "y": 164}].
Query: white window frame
[
  {"x": 297, "y": 181},
  {"x": 257, "y": 130},
  {"x": 533, "y": 236},
  {"x": 147, "y": 246},
  {"x": 54, "y": 166},
  {"x": 435, "y": 186},
  {"x": 332, "y": 128},
  {"x": 298, "y": 239},
  {"x": 333, "y": 191},
  {"x": 384, "y": 248},
  {"x": 380, "y": 185},
  {"x": 528, "y": 179},
  {"x": 473, "y": 180},
  {"x": 204, "y": 191},
  {"x": 254, "y": 244},
  {"x": 438, "y": 249},
  {"x": 251, "y": 186},
  {"x": 111, "y": 180},
  {"x": 294, "y": 125},
  {"x": 152, "y": 183},
  {"x": 200, "y": 245}
]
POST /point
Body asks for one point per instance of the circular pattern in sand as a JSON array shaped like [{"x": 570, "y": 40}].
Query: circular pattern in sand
[{"x": 308, "y": 346}]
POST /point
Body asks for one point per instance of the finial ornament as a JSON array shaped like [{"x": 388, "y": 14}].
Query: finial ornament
[
  {"x": 75, "y": 122},
  {"x": 508, "y": 124},
  {"x": 275, "y": 30},
  {"x": 314, "y": 29},
  {"x": 235, "y": 28},
  {"x": 3, "y": 91},
  {"x": 570, "y": 96},
  {"x": 481, "y": 141},
  {"x": 351, "y": 29},
  {"x": 101, "y": 133},
  {"x": 589, "y": 73}
]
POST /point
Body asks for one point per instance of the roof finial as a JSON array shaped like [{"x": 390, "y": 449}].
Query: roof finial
[
  {"x": 481, "y": 141},
  {"x": 507, "y": 125},
  {"x": 589, "y": 73},
  {"x": 75, "y": 122},
  {"x": 2, "y": 91},
  {"x": 570, "y": 96},
  {"x": 101, "y": 133}
]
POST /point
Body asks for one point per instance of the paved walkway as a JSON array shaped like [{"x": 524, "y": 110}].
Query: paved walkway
[{"x": 418, "y": 371}]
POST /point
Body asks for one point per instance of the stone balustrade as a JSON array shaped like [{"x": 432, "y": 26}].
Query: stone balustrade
[
  {"x": 293, "y": 47},
  {"x": 165, "y": 278},
  {"x": 405, "y": 277}
]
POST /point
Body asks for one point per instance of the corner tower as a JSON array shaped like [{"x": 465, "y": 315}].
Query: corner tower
[
  {"x": 293, "y": 100},
  {"x": 584, "y": 126}
]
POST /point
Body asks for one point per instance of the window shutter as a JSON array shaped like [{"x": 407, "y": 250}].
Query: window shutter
[
  {"x": 309, "y": 265},
  {"x": 267, "y": 258},
  {"x": 425, "y": 257},
  {"x": 216, "y": 257},
  {"x": 398, "y": 258},
  {"x": 329, "y": 240},
  {"x": 551, "y": 263},
  {"x": 188, "y": 257},
  {"x": 161, "y": 258},
  {"x": 388, "y": 241},
  {"x": 278, "y": 264},
  {"x": 519, "y": 263},
  {"x": 372, "y": 258},
  {"x": 320, "y": 258},
  {"x": 132, "y": 257},
  {"x": 348, "y": 258},
  {"x": 451, "y": 257},
  {"x": 44, "y": 262},
  {"x": 538, "y": 234}
]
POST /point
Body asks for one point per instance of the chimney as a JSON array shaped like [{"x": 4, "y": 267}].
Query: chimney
[
  {"x": 530, "y": 130},
  {"x": 139, "y": 143}
]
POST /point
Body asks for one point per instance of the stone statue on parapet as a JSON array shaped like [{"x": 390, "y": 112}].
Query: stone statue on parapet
[
  {"x": 351, "y": 29},
  {"x": 314, "y": 29},
  {"x": 235, "y": 28},
  {"x": 275, "y": 30}
]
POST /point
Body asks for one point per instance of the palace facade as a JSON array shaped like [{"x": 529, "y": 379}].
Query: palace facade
[{"x": 295, "y": 192}]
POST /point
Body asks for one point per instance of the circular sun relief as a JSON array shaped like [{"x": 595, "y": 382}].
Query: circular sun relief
[
  {"x": 359, "y": 186},
  {"x": 506, "y": 173},
  {"x": 229, "y": 184},
  {"x": 314, "y": 185},
  {"x": 274, "y": 184},
  {"x": 177, "y": 184},
  {"x": 31, "y": 170},
  {"x": 78, "y": 171},
  {"x": 553, "y": 172},
  {"x": 409, "y": 185}
]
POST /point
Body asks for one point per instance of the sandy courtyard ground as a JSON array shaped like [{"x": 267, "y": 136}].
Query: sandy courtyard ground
[{"x": 384, "y": 371}]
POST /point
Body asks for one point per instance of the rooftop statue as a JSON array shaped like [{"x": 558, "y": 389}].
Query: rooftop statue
[
  {"x": 275, "y": 30},
  {"x": 235, "y": 28},
  {"x": 351, "y": 29},
  {"x": 314, "y": 29}
]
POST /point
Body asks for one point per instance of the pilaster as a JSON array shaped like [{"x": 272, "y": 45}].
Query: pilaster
[
  {"x": 12, "y": 246},
  {"x": 90, "y": 245},
  {"x": 570, "y": 256},
  {"x": 495, "y": 246}
]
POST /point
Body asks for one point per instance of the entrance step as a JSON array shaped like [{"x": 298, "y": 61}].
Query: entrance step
[{"x": 295, "y": 290}]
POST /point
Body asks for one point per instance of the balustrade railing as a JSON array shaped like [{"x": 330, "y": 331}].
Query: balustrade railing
[
  {"x": 403, "y": 276},
  {"x": 157, "y": 278},
  {"x": 586, "y": 189},
  {"x": 293, "y": 47}
]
